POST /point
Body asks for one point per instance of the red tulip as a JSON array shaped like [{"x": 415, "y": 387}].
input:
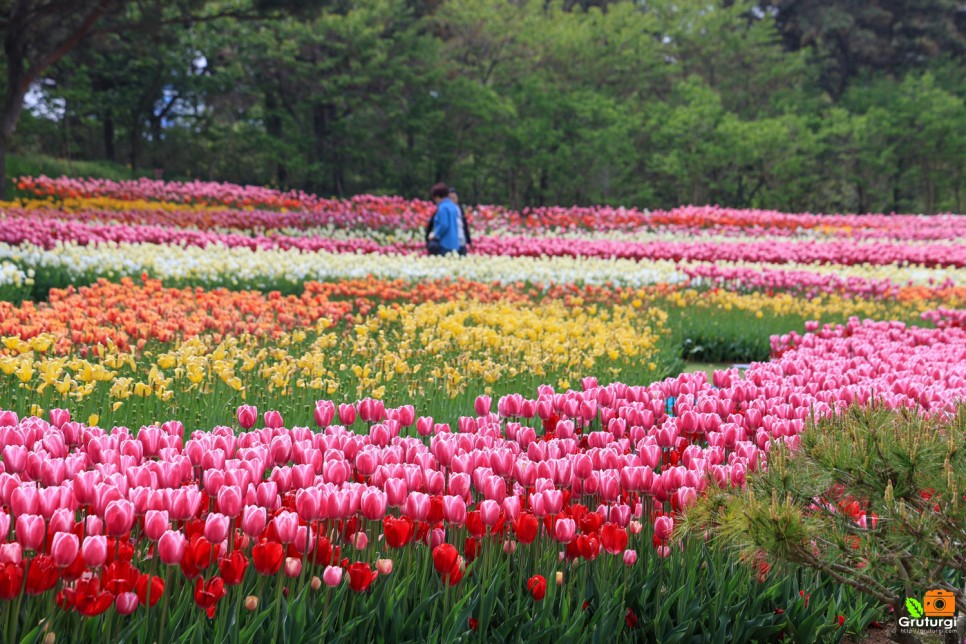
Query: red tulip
[
  {"x": 268, "y": 557},
  {"x": 444, "y": 558},
  {"x": 87, "y": 597},
  {"x": 397, "y": 531},
  {"x": 232, "y": 568},
  {"x": 11, "y": 580},
  {"x": 614, "y": 538},
  {"x": 537, "y": 585},
  {"x": 474, "y": 524},
  {"x": 197, "y": 557},
  {"x": 525, "y": 526},
  {"x": 207, "y": 595},
  {"x": 152, "y": 584},
  {"x": 42, "y": 575},
  {"x": 588, "y": 545},
  {"x": 120, "y": 577},
  {"x": 361, "y": 576}
]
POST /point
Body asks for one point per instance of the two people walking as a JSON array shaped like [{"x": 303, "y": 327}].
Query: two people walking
[{"x": 446, "y": 231}]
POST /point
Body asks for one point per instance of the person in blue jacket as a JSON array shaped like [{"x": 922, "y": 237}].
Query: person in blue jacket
[{"x": 445, "y": 236}]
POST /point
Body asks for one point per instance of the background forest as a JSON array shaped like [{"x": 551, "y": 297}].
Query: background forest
[{"x": 798, "y": 105}]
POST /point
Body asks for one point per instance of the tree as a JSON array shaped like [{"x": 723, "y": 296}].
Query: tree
[
  {"x": 849, "y": 37},
  {"x": 872, "y": 498},
  {"x": 39, "y": 33}
]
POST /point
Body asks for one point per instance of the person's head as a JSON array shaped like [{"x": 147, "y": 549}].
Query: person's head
[
  {"x": 439, "y": 192},
  {"x": 454, "y": 195}
]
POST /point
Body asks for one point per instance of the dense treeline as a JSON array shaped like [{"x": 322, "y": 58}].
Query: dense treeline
[{"x": 820, "y": 105}]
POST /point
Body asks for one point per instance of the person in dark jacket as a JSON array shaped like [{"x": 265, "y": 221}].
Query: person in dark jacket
[{"x": 444, "y": 238}]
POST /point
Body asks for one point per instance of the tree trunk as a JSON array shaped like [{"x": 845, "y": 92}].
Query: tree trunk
[
  {"x": 134, "y": 138},
  {"x": 12, "y": 107},
  {"x": 110, "y": 150},
  {"x": 273, "y": 126},
  {"x": 3, "y": 171}
]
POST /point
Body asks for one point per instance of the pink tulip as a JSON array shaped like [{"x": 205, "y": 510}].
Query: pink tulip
[
  {"x": 64, "y": 548},
  {"x": 30, "y": 530},
  {"x": 663, "y": 526},
  {"x": 155, "y": 524},
  {"x": 371, "y": 411},
  {"x": 273, "y": 419},
  {"x": 347, "y": 415},
  {"x": 293, "y": 567},
  {"x": 482, "y": 405},
  {"x": 360, "y": 540},
  {"x": 332, "y": 576},
  {"x": 489, "y": 512},
  {"x": 230, "y": 500},
  {"x": 94, "y": 551},
  {"x": 247, "y": 415},
  {"x": 216, "y": 527},
  {"x": 630, "y": 557},
  {"x": 286, "y": 525},
  {"x": 324, "y": 413},
  {"x": 454, "y": 509},
  {"x": 11, "y": 553},
  {"x": 59, "y": 417},
  {"x": 417, "y": 505},
  {"x": 15, "y": 458},
  {"x": 253, "y": 520},
  {"x": 119, "y": 517},
  {"x": 126, "y": 603},
  {"x": 171, "y": 547},
  {"x": 565, "y": 530},
  {"x": 373, "y": 504},
  {"x": 424, "y": 425},
  {"x": 384, "y": 566}
]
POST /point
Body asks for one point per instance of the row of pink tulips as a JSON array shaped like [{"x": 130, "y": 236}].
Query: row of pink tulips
[
  {"x": 370, "y": 211},
  {"x": 25, "y": 229}
]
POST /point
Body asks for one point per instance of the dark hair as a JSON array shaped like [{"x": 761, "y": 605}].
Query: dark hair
[
  {"x": 440, "y": 190},
  {"x": 453, "y": 190}
]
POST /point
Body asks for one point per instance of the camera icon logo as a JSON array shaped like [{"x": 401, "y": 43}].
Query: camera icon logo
[{"x": 939, "y": 603}]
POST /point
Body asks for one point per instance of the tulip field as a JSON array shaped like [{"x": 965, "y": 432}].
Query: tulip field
[{"x": 235, "y": 414}]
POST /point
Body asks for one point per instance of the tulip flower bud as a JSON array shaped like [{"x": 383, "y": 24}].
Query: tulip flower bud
[
  {"x": 316, "y": 583},
  {"x": 384, "y": 566},
  {"x": 251, "y": 603},
  {"x": 293, "y": 567},
  {"x": 559, "y": 578}
]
